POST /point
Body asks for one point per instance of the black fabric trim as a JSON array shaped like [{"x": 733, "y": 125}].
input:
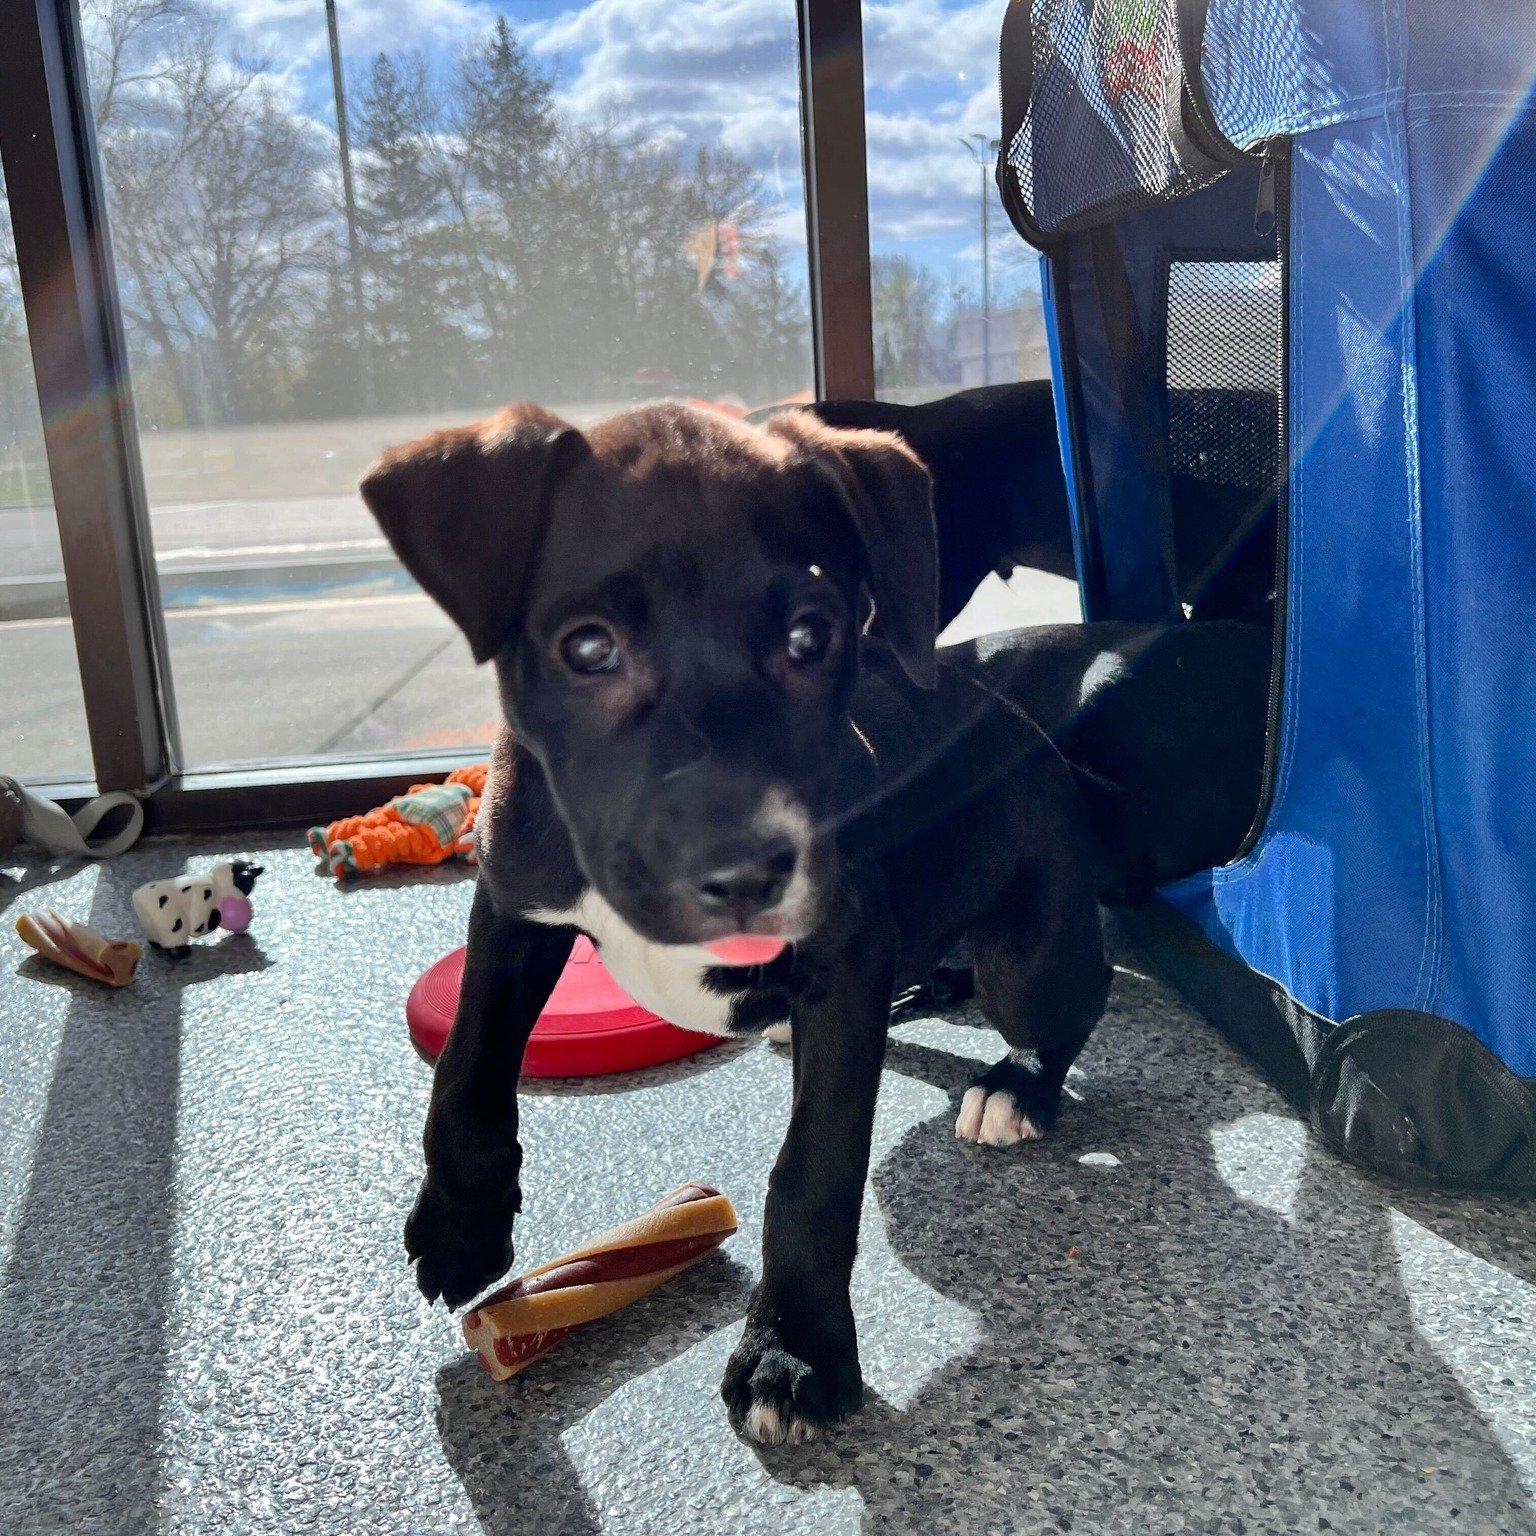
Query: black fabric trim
[
  {"x": 1140, "y": 397},
  {"x": 1408, "y": 1096},
  {"x": 1202, "y": 151},
  {"x": 1200, "y": 119},
  {"x": 1091, "y": 578},
  {"x": 1280, "y": 153},
  {"x": 1016, "y": 83}
]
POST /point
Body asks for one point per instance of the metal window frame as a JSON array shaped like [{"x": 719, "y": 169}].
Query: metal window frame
[
  {"x": 837, "y": 197},
  {"x": 74, "y": 322},
  {"x": 80, "y": 364}
]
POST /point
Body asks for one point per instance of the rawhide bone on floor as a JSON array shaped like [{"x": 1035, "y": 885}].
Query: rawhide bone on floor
[
  {"x": 78, "y": 949},
  {"x": 512, "y": 1327}
]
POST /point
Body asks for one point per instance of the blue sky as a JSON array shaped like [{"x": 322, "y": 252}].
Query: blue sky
[{"x": 723, "y": 71}]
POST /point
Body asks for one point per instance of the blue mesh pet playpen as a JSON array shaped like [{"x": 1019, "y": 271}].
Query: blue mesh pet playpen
[{"x": 1289, "y": 255}]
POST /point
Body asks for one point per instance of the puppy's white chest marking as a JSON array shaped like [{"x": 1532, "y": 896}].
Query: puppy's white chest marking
[
  {"x": 668, "y": 979},
  {"x": 1102, "y": 671}
]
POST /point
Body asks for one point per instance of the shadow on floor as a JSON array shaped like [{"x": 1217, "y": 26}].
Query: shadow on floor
[
  {"x": 18, "y": 880},
  {"x": 1158, "y": 1346},
  {"x": 1186, "y": 1341},
  {"x": 711, "y": 1058},
  {"x": 88, "y": 1285},
  {"x": 1159, "y": 1352}
]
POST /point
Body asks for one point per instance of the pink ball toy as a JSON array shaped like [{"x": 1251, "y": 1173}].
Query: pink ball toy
[{"x": 235, "y": 914}]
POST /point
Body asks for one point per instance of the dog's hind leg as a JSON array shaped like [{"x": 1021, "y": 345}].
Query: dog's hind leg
[{"x": 1041, "y": 980}]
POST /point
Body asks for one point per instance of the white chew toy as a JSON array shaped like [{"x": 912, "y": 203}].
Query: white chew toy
[{"x": 174, "y": 912}]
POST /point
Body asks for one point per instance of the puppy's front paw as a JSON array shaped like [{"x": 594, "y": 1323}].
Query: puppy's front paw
[
  {"x": 777, "y": 1393},
  {"x": 458, "y": 1249}
]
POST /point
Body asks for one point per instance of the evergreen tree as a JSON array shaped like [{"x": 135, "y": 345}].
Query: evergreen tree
[
  {"x": 330, "y": 369},
  {"x": 494, "y": 175},
  {"x": 506, "y": 119},
  {"x": 505, "y": 250},
  {"x": 419, "y": 354},
  {"x": 906, "y": 318}
]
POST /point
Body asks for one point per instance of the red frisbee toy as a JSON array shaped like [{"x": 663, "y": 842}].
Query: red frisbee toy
[{"x": 589, "y": 1026}]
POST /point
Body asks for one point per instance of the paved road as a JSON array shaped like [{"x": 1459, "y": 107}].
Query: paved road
[
  {"x": 212, "y": 538},
  {"x": 325, "y": 676}
]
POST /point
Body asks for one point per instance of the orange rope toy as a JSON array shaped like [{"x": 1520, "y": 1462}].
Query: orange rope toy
[{"x": 425, "y": 825}]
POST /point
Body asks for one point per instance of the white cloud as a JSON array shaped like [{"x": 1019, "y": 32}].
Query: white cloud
[
  {"x": 699, "y": 58},
  {"x": 723, "y": 71},
  {"x": 293, "y": 31},
  {"x": 665, "y": 29},
  {"x": 720, "y": 72},
  {"x": 906, "y": 40}
]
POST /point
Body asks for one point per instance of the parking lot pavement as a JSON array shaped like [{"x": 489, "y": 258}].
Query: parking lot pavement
[
  {"x": 42, "y": 716},
  {"x": 258, "y": 681},
  {"x": 327, "y": 675},
  {"x": 209, "y": 533}
]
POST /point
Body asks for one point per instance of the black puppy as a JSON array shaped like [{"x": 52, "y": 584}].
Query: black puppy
[
  {"x": 702, "y": 750},
  {"x": 1000, "y": 497}
]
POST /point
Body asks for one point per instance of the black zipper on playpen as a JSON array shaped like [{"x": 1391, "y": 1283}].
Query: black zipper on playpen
[{"x": 1273, "y": 204}]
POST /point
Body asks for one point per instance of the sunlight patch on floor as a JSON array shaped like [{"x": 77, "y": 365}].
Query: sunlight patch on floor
[
  {"x": 1260, "y": 1157},
  {"x": 1481, "y": 1321}
]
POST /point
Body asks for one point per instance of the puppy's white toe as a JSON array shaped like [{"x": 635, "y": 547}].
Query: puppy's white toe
[
  {"x": 968, "y": 1122},
  {"x": 778, "y": 1034},
  {"x": 768, "y": 1426},
  {"x": 994, "y": 1120},
  {"x": 1003, "y": 1124},
  {"x": 765, "y": 1424}
]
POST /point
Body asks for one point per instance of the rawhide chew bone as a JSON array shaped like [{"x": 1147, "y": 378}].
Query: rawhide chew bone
[
  {"x": 78, "y": 949},
  {"x": 512, "y": 1327}
]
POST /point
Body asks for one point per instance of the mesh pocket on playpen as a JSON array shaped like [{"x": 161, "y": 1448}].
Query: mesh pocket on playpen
[
  {"x": 1224, "y": 360},
  {"x": 1105, "y": 106}
]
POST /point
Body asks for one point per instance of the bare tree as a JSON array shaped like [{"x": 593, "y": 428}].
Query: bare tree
[
  {"x": 134, "y": 47},
  {"x": 219, "y": 207}
]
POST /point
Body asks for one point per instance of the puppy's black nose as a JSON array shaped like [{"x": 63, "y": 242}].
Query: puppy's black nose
[{"x": 746, "y": 882}]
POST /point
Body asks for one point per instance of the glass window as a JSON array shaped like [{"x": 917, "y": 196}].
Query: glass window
[
  {"x": 588, "y": 205},
  {"x": 42, "y": 713},
  {"x": 956, "y": 291}
]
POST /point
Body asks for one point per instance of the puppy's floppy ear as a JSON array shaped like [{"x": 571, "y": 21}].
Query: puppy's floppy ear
[
  {"x": 889, "y": 495},
  {"x": 466, "y": 510}
]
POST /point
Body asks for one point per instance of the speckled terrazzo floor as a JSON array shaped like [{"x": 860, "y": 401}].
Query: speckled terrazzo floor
[{"x": 207, "y": 1325}]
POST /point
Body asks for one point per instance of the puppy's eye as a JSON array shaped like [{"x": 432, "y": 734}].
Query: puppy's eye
[
  {"x": 591, "y": 648},
  {"x": 808, "y": 638}
]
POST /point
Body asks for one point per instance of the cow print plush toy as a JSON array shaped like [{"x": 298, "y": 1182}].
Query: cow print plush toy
[{"x": 174, "y": 912}]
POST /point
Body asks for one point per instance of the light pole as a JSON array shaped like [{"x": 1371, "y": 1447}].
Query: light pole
[
  {"x": 349, "y": 206},
  {"x": 983, "y": 151}
]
